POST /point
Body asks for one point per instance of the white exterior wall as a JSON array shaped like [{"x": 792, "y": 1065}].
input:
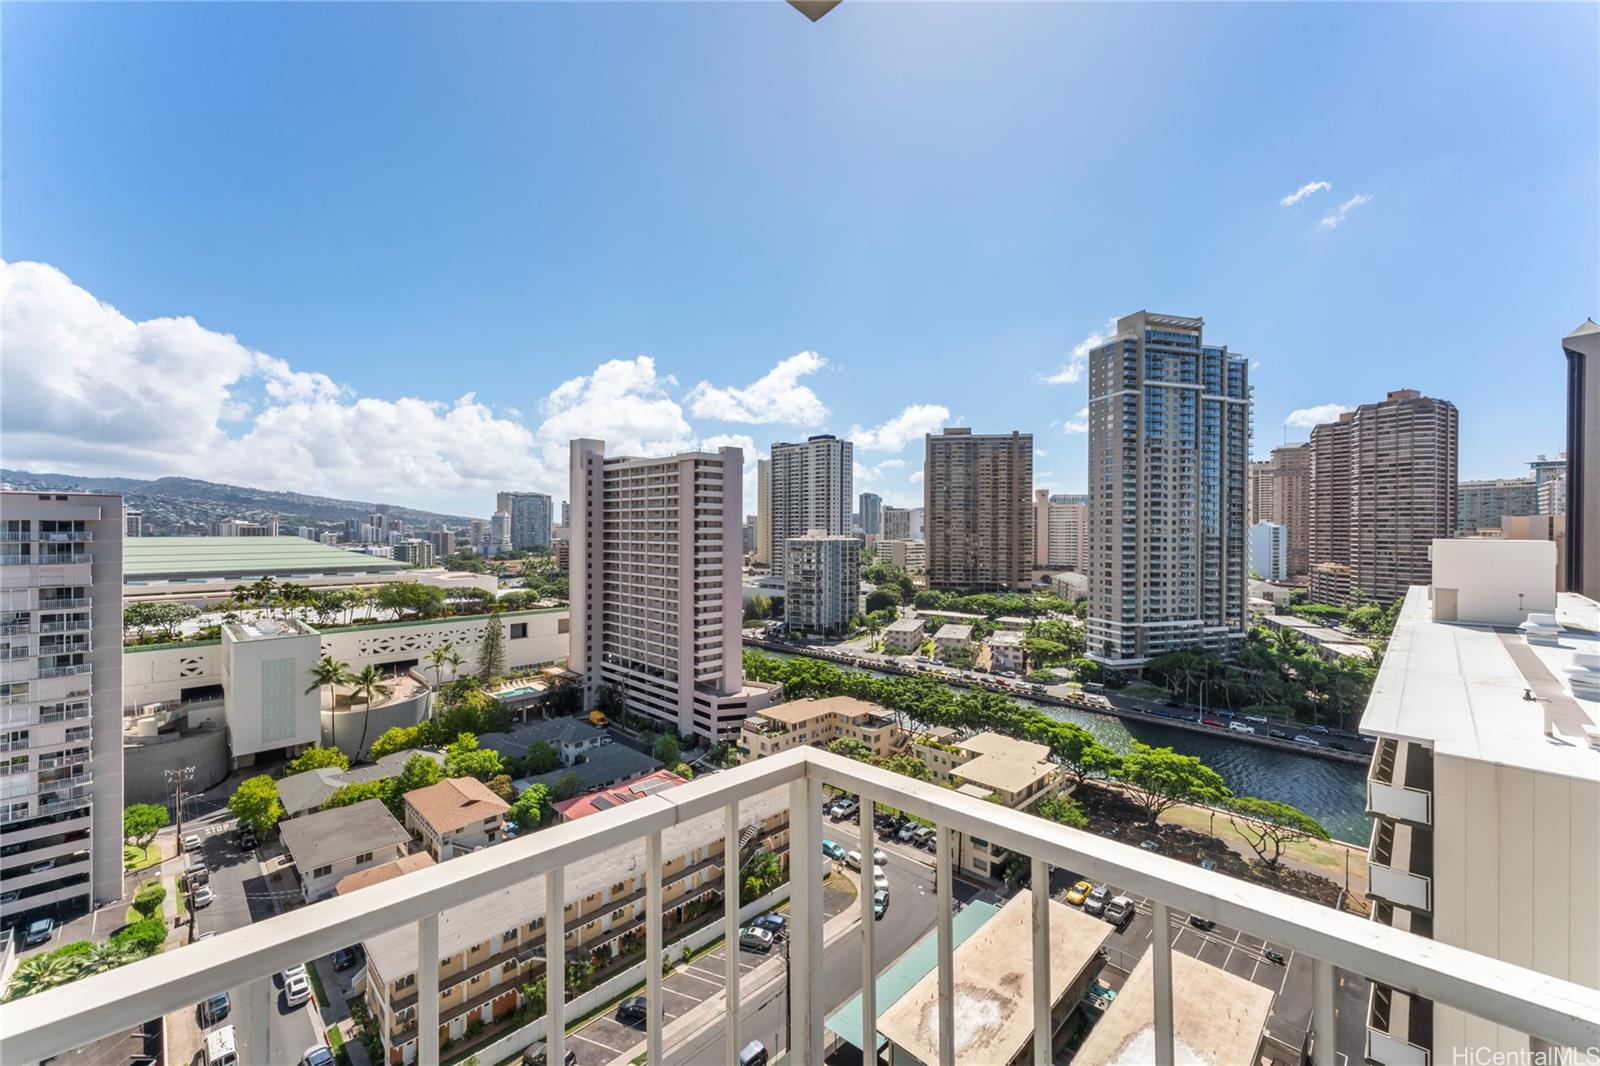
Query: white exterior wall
[
  {"x": 322, "y": 886},
  {"x": 1269, "y": 550},
  {"x": 1516, "y": 859},
  {"x": 264, "y": 685},
  {"x": 1494, "y": 582}
]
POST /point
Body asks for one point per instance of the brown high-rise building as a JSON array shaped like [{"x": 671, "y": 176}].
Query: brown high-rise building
[
  {"x": 979, "y": 516},
  {"x": 1383, "y": 487},
  {"x": 1291, "y": 488},
  {"x": 1582, "y": 348},
  {"x": 1263, "y": 501}
]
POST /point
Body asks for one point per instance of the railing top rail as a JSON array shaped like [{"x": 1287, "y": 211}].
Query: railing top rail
[{"x": 59, "y": 1019}]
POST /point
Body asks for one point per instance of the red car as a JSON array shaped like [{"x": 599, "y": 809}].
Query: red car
[{"x": 1214, "y": 723}]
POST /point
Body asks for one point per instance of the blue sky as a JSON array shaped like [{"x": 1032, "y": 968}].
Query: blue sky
[{"x": 577, "y": 214}]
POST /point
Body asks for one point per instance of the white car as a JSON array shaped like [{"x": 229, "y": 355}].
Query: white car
[
  {"x": 880, "y": 883},
  {"x": 191, "y": 841},
  {"x": 293, "y": 972},
  {"x": 879, "y": 858},
  {"x": 297, "y": 989},
  {"x": 203, "y": 896}
]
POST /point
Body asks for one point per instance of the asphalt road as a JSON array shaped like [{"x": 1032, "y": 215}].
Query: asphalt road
[{"x": 269, "y": 1032}]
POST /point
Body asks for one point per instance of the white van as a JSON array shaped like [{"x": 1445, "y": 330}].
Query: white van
[{"x": 220, "y": 1048}]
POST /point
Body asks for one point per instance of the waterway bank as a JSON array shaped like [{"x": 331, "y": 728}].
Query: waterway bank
[{"x": 1333, "y": 791}]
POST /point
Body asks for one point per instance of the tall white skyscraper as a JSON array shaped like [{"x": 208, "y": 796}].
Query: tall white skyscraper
[
  {"x": 1169, "y": 458},
  {"x": 1269, "y": 550},
  {"x": 530, "y": 518},
  {"x": 61, "y": 694},
  {"x": 822, "y": 583},
  {"x": 655, "y": 556},
  {"x": 1060, "y": 531},
  {"x": 810, "y": 488}
]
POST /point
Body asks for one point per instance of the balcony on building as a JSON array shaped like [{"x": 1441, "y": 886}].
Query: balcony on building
[
  {"x": 1400, "y": 865},
  {"x": 439, "y": 926},
  {"x": 1399, "y": 1028},
  {"x": 1400, "y": 782}
]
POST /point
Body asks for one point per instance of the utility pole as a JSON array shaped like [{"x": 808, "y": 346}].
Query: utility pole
[{"x": 178, "y": 778}]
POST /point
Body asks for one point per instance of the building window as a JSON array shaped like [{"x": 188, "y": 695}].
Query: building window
[
  {"x": 322, "y": 871},
  {"x": 519, "y": 630},
  {"x": 365, "y": 856},
  {"x": 509, "y": 936}
]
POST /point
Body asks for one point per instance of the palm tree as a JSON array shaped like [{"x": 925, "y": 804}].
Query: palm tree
[
  {"x": 371, "y": 684},
  {"x": 109, "y": 956},
  {"x": 44, "y": 971},
  {"x": 454, "y": 661},
  {"x": 436, "y": 659},
  {"x": 331, "y": 672}
]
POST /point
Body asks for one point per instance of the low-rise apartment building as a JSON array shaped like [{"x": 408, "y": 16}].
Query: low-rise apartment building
[
  {"x": 1005, "y": 651},
  {"x": 1016, "y": 773},
  {"x": 329, "y": 846},
  {"x": 607, "y": 798},
  {"x": 951, "y": 639},
  {"x": 909, "y": 555},
  {"x": 490, "y": 947},
  {"x": 305, "y": 793},
  {"x": 455, "y": 816},
  {"x": 820, "y": 722},
  {"x": 904, "y": 636}
]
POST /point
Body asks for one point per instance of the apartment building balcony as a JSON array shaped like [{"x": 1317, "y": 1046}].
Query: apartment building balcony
[
  {"x": 1399, "y": 1028},
  {"x": 1400, "y": 865},
  {"x": 64, "y": 670},
  {"x": 1400, "y": 782},
  {"x": 55, "y": 1021}
]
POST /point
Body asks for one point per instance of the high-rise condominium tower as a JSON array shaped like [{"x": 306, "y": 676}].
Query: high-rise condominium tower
[
  {"x": 811, "y": 487},
  {"x": 530, "y": 518},
  {"x": 1169, "y": 457},
  {"x": 1383, "y": 486},
  {"x": 764, "y": 511},
  {"x": 1582, "y": 348},
  {"x": 61, "y": 688},
  {"x": 654, "y": 570},
  {"x": 978, "y": 514},
  {"x": 896, "y": 523},
  {"x": 871, "y": 514},
  {"x": 822, "y": 582},
  {"x": 1060, "y": 531},
  {"x": 499, "y": 532},
  {"x": 1481, "y": 504},
  {"x": 1291, "y": 504}
]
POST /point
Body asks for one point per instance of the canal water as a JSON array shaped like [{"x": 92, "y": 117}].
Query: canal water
[{"x": 1334, "y": 793}]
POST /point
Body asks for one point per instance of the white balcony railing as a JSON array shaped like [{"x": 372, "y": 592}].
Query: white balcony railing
[{"x": 53, "y": 1022}]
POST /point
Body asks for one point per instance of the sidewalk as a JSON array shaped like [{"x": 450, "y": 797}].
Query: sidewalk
[{"x": 758, "y": 980}]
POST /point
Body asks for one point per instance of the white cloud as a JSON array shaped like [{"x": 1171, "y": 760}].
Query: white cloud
[
  {"x": 915, "y": 478},
  {"x": 1078, "y": 423},
  {"x": 1039, "y": 453},
  {"x": 1332, "y": 219},
  {"x": 893, "y": 435},
  {"x": 1309, "y": 417},
  {"x": 1071, "y": 371},
  {"x": 776, "y": 397},
  {"x": 870, "y": 474},
  {"x": 1308, "y": 189}
]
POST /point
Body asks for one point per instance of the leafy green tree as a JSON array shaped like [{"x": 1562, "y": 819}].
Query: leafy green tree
[
  {"x": 905, "y": 765},
  {"x": 1159, "y": 779},
  {"x": 492, "y": 652},
  {"x": 148, "y": 899},
  {"x": 411, "y": 598},
  {"x": 1270, "y": 825},
  {"x": 500, "y": 785},
  {"x": 437, "y": 659},
  {"x": 141, "y": 938},
  {"x": 667, "y": 750},
  {"x": 1063, "y": 810},
  {"x": 850, "y": 748},
  {"x": 141, "y": 822},
  {"x": 48, "y": 970},
  {"x": 757, "y": 609},
  {"x": 534, "y": 998},
  {"x": 318, "y": 758},
  {"x": 465, "y": 759},
  {"x": 420, "y": 771},
  {"x": 395, "y": 738},
  {"x": 256, "y": 803},
  {"x": 880, "y": 598},
  {"x": 763, "y": 873},
  {"x": 531, "y": 807},
  {"x": 567, "y": 785},
  {"x": 348, "y": 795},
  {"x": 541, "y": 759}
]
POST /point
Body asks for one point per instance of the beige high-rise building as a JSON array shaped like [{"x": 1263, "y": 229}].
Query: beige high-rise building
[
  {"x": 1481, "y": 504},
  {"x": 1550, "y": 527},
  {"x": 1291, "y": 492},
  {"x": 656, "y": 547},
  {"x": 763, "y": 511},
  {"x": 1263, "y": 500},
  {"x": 1383, "y": 487},
  {"x": 979, "y": 519},
  {"x": 61, "y": 689},
  {"x": 1060, "y": 531},
  {"x": 897, "y": 523},
  {"x": 1169, "y": 464},
  {"x": 1582, "y": 348}
]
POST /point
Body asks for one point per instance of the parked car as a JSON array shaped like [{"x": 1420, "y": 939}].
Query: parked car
[
  {"x": 41, "y": 867},
  {"x": 756, "y": 938},
  {"x": 191, "y": 842},
  {"x": 1079, "y": 892},
  {"x": 908, "y": 830},
  {"x": 213, "y": 1009},
  {"x": 879, "y": 858},
  {"x": 832, "y": 849},
  {"x": 880, "y": 883},
  {"x": 773, "y": 921},
  {"x": 1201, "y": 923},
  {"x": 1319, "y": 730},
  {"x": 321, "y": 1055},
  {"x": 1308, "y": 741},
  {"x": 922, "y": 834},
  {"x": 1149, "y": 845},
  {"x": 753, "y": 1054},
  {"x": 38, "y": 932},
  {"x": 1214, "y": 723},
  {"x": 1256, "y": 720},
  {"x": 537, "y": 1055},
  {"x": 1119, "y": 910},
  {"x": 1095, "y": 901},
  {"x": 345, "y": 958},
  {"x": 297, "y": 989},
  {"x": 633, "y": 1011},
  {"x": 845, "y": 808},
  {"x": 852, "y": 859},
  {"x": 1240, "y": 727},
  {"x": 1278, "y": 734},
  {"x": 880, "y": 903},
  {"x": 204, "y": 897},
  {"x": 207, "y": 935}
]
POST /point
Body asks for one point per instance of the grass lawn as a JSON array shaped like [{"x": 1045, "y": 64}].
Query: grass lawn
[
  {"x": 1327, "y": 857},
  {"x": 1146, "y": 692},
  {"x": 140, "y": 858},
  {"x": 316, "y": 985}
]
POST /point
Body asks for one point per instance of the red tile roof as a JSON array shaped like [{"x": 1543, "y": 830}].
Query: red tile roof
[{"x": 610, "y": 798}]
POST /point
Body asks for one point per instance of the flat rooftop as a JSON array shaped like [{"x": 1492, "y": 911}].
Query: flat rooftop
[
  {"x": 905, "y": 625},
  {"x": 267, "y": 628},
  {"x": 1460, "y": 689},
  {"x": 993, "y": 984},
  {"x": 1217, "y": 1017},
  {"x": 951, "y": 631},
  {"x": 796, "y": 712},
  {"x": 153, "y": 559},
  {"x": 1003, "y": 762}
]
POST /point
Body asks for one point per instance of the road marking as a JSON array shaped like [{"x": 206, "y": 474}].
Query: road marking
[{"x": 700, "y": 977}]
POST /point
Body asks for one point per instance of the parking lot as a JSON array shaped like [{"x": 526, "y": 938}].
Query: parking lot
[{"x": 1242, "y": 955}]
